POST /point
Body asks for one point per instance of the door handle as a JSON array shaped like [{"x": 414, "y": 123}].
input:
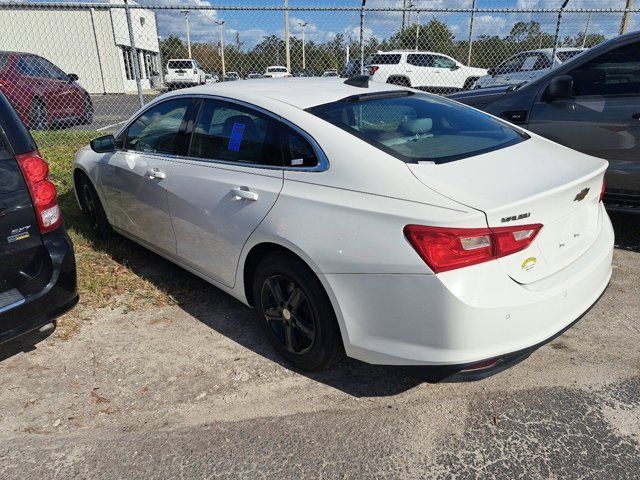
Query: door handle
[
  {"x": 155, "y": 173},
  {"x": 244, "y": 193}
]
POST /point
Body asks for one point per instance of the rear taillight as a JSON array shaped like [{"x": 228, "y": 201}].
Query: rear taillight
[
  {"x": 373, "y": 69},
  {"x": 602, "y": 189},
  {"x": 195, "y": 70},
  {"x": 43, "y": 192},
  {"x": 449, "y": 248}
]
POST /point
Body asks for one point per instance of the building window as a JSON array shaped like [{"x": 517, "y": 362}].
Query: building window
[{"x": 130, "y": 64}]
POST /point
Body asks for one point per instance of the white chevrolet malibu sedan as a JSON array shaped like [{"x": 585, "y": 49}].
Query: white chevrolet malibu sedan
[{"x": 394, "y": 226}]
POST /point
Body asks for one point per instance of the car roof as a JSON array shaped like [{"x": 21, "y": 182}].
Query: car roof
[{"x": 300, "y": 92}]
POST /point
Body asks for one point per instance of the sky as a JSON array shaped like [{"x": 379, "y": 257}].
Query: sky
[{"x": 252, "y": 26}]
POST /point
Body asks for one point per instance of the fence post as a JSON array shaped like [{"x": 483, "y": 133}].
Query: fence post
[
  {"x": 555, "y": 41},
  {"x": 134, "y": 52},
  {"x": 473, "y": 12},
  {"x": 362, "y": 37}
]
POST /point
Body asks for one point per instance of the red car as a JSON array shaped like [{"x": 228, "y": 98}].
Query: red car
[{"x": 43, "y": 95}]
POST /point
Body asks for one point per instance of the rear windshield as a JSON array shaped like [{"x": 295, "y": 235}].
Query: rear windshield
[
  {"x": 418, "y": 127},
  {"x": 276, "y": 69},
  {"x": 177, "y": 64},
  {"x": 386, "y": 59},
  {"x": 564, "y": 56}
]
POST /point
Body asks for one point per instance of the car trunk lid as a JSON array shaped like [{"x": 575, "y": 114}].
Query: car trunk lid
[{"x": 532, "y": 182}]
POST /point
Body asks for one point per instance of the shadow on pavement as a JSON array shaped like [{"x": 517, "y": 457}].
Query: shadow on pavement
[
  {"x": 627, "y": 228},
  {"x": 24, "y": 343}
]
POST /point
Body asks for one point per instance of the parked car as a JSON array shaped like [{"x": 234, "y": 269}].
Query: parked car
[
  {"x": 211, "y": 78},
  {"x": 526, "y": 66},
  {"x": 590, "y": 103},
  {"x": 429, "y": 71},
  {"x": 331, "y": 73},
  {"x": 276, "y": 72},
  {"x": 42, "y": 94},
  {"x": 37, "y": 265},
  {"x": 231, "y": 77},
  {"x": 399, "y": 227},
  {"x": 182, "y": 72}
]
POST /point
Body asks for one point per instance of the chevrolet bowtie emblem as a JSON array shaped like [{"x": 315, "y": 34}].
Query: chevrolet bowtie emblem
[{"x": 580, "y": 196}]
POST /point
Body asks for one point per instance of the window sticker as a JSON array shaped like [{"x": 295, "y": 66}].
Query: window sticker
[{"x": 235, "y": 139}]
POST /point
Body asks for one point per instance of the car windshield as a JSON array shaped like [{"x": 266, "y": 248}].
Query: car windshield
[
  {"x": 419, "y": 127},
  {"x": 178, "y": 64}
]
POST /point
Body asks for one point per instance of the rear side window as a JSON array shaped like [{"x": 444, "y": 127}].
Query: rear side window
[
  {"x": 180, "y": 64},
  {"x": 297, "y": 151},
  {"x": 420, "y": 60},
  {"x": 233, "y": 133},
  {"x": 385, "y": 59},
  {"x": 418, "y": 127},
  {"x": 158, "y": 129},
  {"x": 616, "y": 72}
]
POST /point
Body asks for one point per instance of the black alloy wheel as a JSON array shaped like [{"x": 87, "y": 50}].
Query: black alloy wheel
[{"x": 286, "y": 311}]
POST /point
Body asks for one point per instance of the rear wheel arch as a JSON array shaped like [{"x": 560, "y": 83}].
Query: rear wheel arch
[{"x": 253, "y": 258}]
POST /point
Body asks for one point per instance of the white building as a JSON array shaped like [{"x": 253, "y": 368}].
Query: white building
[{"x": 90, "y": 42}]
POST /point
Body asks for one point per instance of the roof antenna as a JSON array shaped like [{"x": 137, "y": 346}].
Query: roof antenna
[{"x": 361, "y": 81}]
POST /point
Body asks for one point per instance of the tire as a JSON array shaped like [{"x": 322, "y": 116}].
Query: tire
[
  {"x": 469, "y": 82},
  {"x": 87, "y": 110},
  {"x": 402, "y": 81},
  {"x": 38, "y": 115},
  {"x": 295, "y": 313},
  {"x": 92, "y": 208}
]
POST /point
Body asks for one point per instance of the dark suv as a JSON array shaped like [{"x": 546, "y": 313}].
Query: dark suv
[
  {"x": 590, "y": 103},
  {"x": 37, "y": 264}
]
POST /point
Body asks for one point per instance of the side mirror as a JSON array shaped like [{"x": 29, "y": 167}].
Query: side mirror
[
  {"x": 491, "y": 71},
  {"x": 103, "y": 144},
  {"x": 559, "y": 87},
  {"x": 72, "y": 77}
]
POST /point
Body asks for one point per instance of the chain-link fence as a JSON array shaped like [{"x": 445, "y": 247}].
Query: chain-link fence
[{"x": 74, "y": 69}]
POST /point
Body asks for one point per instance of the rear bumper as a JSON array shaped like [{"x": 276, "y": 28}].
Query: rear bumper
[
  {"x": 182, "y": 80},
  {"x": 464, "y": 316},
  {"x": 59, "y": 295}
]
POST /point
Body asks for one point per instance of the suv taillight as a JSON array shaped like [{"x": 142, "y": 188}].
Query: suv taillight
[
  {"x": 195, "y": 70},
  {"x": 373, "y": 69},
  {"x": 449, "y": 248},
  {"x": 42, "y": 190}
]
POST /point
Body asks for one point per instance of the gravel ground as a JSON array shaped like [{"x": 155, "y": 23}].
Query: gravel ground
[{"x": 194, "y": 391}]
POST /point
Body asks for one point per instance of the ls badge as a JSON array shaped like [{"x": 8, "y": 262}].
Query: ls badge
[{"x": 580, "y": 196}]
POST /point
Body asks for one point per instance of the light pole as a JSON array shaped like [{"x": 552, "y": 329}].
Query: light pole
[
  {"x": 417, "y": 28},
  {"x": 186, "y": 20},
  {"x": 473, "y": 14},
  {"x": 286, "y": 35},
  {"x": 586, "y": 30},
  {"x": 220, "y": 23},
  {"x": 364, "y": 3},
  {"x": 304, "y": 60}
]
